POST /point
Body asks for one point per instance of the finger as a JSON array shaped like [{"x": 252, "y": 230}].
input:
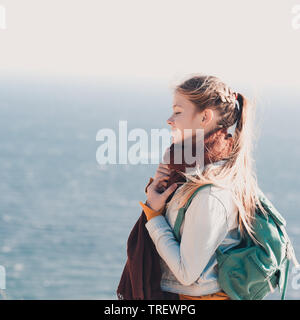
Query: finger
[
  {"x": 164, "y": 171},
  {"x": 163, "y": 168},
  {"x": 160, "y": 175},
  {"x": 161, "y": 190},
  {"x": 170, "y": 190},
  {"x": 159, "y": 180},
  {"x": 163, "y": 165},
  {"x": 162, "y": 185},
  {"x": 164, "y": 178}
]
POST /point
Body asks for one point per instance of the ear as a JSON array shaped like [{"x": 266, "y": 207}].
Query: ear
[{"x": 207, "y": 116}]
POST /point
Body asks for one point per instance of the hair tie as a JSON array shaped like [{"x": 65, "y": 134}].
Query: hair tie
[
  {"x": 238, "y": 107},
  {"x": 237, "y": 104}
]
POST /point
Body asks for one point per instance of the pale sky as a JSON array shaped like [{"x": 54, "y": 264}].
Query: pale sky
[{"x": 249, "y": 41}]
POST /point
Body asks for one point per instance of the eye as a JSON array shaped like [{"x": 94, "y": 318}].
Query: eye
[{"x": 177, "y": 112}]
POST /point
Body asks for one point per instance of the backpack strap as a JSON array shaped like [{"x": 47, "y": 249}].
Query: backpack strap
[
  {"x": 182, "y": 211},
  {"x": 285, "y": 280}
]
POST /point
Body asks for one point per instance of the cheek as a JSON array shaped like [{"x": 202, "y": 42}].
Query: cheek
[
  {"x": 181, "y": 119},
  {"x": 185, "y": 122},
  {"x": 196, "y": 122}
]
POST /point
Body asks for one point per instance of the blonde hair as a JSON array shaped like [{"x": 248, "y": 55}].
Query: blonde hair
[{"x": 237, "y": 172}]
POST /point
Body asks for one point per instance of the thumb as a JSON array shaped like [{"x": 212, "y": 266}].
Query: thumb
[{"x": 170, "y": 190}]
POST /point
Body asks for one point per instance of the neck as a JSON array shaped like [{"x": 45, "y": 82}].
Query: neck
[{"x": 217, "y": 146}]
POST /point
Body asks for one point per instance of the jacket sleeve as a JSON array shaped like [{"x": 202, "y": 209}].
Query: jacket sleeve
[{"x": 205, "y": 227}]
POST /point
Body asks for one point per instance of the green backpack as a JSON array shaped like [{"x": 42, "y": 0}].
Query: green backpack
[{"x": 250, "y": 271}]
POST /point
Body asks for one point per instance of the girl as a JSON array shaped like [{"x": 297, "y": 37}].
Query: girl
[{"x": 220, "y": 213}]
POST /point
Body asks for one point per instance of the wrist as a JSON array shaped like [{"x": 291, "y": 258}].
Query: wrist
[
  {"x": 149, "y": 212},
  {"x": 153, "y": 207}
]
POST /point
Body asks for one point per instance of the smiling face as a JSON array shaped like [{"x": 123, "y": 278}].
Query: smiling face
[{"x": 186, "y": 116}]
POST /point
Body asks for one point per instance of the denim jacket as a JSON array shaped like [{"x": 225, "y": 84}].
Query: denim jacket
[{"x": 190, "y": 267}]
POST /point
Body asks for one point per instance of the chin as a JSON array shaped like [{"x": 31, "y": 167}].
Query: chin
[
  {"x": 176, "y": 140},
  {"x": 176, "y": 136}
]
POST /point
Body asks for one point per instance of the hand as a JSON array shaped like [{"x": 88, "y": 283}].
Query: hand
[
  {"x": 162, "y": 173},
  {"x": 155, "y": 199}
]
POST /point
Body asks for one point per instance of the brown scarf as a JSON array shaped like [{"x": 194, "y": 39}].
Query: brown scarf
[{"x": 141, "y": 276}]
